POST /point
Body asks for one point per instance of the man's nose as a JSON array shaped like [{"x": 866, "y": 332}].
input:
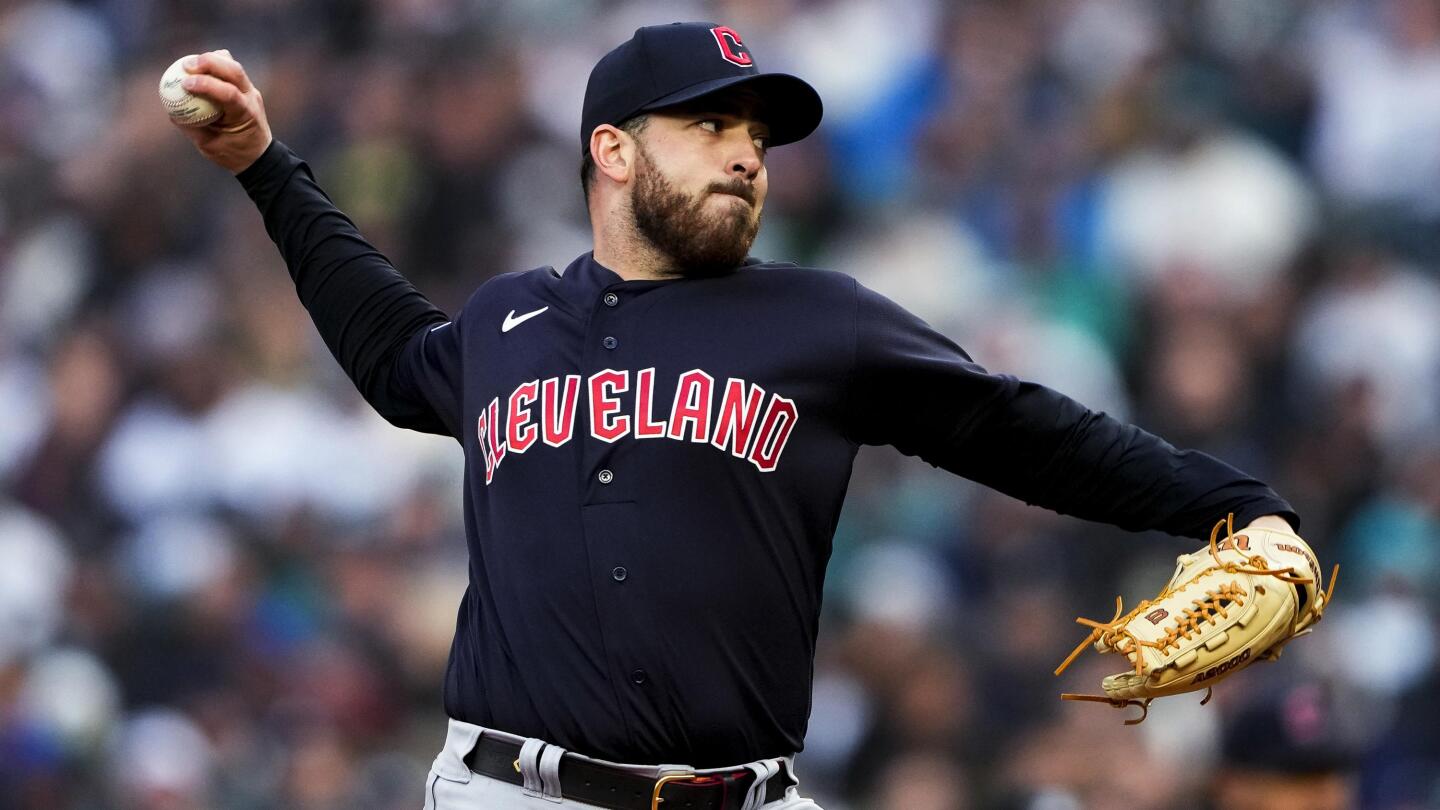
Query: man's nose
[{"x": 747, "y": 161}]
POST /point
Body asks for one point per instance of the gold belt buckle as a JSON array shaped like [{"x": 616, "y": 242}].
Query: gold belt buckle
[{"x": 660, "y": 784}]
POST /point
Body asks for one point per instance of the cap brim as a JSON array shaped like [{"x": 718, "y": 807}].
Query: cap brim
[{"x": 791, "y": 107}]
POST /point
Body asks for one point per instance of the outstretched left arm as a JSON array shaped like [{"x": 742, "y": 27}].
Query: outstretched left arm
[{"x": 917, "y": 390}]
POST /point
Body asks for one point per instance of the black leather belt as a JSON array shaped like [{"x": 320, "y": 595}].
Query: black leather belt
[{"x": 603, "y": 786}]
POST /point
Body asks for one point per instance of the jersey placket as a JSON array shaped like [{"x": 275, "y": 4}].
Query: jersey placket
[
  {"x": 609, "y": 390},
  {"x": 610, "y": 488}
]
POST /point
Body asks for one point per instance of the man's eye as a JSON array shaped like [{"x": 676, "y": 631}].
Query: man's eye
[
  {"x": 710, "y": 125},
  {"x": 762, "y": 142}
]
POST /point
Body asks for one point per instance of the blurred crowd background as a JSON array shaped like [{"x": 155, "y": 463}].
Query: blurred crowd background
[{"x": 224, "y": 583}]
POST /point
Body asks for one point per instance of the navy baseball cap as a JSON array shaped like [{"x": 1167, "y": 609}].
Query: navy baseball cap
[{"x": 665, "y": 65}]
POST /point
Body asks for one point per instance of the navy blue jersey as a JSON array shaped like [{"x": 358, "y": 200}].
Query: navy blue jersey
[{"x": 654, "y": 470}]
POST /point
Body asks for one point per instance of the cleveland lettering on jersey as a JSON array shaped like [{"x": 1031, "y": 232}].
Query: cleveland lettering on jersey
[{"x": 736, "y": 424}]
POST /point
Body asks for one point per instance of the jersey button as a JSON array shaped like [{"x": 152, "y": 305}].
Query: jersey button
[
  {"x": 611, "y": 299},
  {"x": 605, "y": 476},
  {"x": 618, "y": 573},
  {"x": 639, "y": 676},
  {"x": 610, "y": 343}
]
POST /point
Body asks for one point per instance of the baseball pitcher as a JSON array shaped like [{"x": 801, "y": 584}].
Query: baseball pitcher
[{"x": 658, "y": 439}]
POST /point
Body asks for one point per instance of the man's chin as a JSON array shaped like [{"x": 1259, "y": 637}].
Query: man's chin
[
  {"x": 713, "y": 262},
  {"x": 734, "y": 213},
  {"x": 729, "y": 202}
]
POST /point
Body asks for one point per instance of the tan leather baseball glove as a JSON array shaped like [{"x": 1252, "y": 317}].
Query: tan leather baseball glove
[{"x": 1239, "y": 600}]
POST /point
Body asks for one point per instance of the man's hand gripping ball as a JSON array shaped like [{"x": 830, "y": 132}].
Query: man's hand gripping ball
[{"x": 240, "y": 133}]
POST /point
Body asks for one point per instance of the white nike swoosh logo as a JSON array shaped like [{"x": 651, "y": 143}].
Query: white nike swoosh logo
[{"x": 511, "y": 321}]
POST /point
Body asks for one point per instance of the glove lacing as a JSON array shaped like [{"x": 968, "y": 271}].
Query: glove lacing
[{"x": 1115, "y": 634}]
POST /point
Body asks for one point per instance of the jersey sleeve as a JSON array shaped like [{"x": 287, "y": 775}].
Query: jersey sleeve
[
  {"x": 917, "y": 390},
  {"x": 376, "y": 324},
  {"x": 428, "y": 369}
]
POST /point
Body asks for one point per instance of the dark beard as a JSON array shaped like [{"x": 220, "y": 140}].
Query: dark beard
[{"x": 699, "y": 246}]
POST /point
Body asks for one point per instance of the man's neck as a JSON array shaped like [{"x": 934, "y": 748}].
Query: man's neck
[{"x": 630, "y": 256}]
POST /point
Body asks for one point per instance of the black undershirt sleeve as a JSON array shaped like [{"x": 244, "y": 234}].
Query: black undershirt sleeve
[
  {"x": 919, "y": 391},
  {"x": 366, "y": 312}
]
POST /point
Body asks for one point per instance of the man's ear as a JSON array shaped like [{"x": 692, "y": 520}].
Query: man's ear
[{"x": 613, "y": 151}]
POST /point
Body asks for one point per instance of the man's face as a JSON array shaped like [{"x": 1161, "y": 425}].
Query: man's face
[{"x": 700, "y": 185}]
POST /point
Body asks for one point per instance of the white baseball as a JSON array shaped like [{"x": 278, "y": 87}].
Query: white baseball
[{"x": 184, "y": 108}]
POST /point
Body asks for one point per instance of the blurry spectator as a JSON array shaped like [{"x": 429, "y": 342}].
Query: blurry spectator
[
  {"x": 924, "y": 781},
  {"x": 1201, "y": 204},
  {"x": 877, "y": 92},
  {"x": 1286, "y": 753},
  {"x": 1078, "y": 764},
  {"x": 35, "y": 570},
  {"x": 86, "y": 387},
  {"x": 1377, "y": 138},
  {"x": 160, "y": 761},
  {"x": 1374, "y": 325},
  {"x": 63, "y": 53}
]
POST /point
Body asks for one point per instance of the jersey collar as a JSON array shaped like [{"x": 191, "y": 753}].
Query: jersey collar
[{"x": 585, "y": 282}]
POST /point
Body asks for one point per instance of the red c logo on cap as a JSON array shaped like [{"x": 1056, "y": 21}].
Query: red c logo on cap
[{"x": 731, "y": 46}]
